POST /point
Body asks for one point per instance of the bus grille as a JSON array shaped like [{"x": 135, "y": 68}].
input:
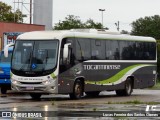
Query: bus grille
[{"x": 31, "y": 82}]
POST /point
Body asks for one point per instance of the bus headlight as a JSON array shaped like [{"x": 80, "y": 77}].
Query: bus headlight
[
  {"x": 14, "y": 82},
  {"x": 46, "y": 82}
]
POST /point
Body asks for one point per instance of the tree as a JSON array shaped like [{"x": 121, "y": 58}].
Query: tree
[
  {"x": 7, "y": 15},
  {"x": 148, "y": 26},
  {"x": 73, "y": 22},
  {"x": 70, "y": 22},
  {"x": 91, "y": 24}
]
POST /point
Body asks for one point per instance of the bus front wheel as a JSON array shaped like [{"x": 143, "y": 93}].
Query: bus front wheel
[
  {"x": 127, "y": 91},
  {"x": 3, "y": 90},
  {"x": 35, "y": 96},
  {"x": 77, "y": 90}
]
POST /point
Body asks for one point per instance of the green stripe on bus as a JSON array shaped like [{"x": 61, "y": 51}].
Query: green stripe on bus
[
  {"x": 11, "y": 74},
  {"x": 53, "y": 75},
  {"x": 118, "y": 76}
]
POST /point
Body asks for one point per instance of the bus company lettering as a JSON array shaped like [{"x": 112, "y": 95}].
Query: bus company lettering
[
  {"x": 101, "y": 67},
  {"x": 30, "y": 79}
]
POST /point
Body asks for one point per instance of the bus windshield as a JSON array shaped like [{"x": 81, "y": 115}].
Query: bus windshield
[{"x": 35, "y": 55}]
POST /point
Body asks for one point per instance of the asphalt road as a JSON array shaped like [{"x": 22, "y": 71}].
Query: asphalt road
[{"x": 105, "y": 102}]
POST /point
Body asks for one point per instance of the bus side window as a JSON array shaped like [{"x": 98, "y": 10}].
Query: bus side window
[
  {"x": 112, "y": 50},
  {"x": 116, "y": 54},
  {"x": 97, "y": 49},
  {"x": 83, "y": 50}
]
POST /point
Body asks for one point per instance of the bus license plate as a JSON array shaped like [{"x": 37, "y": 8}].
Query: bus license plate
[{"x": 30, "y": 88}]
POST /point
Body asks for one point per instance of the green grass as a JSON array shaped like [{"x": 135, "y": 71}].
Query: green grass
[
  {"x": 94, "y": 109},
  {"x": 134, "y": 102},
  {"x": 156, "y": 87}
]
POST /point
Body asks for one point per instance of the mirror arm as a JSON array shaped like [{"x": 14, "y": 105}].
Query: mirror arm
[{"x": 6, "y": 49}]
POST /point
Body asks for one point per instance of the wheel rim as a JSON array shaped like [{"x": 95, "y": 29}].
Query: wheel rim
[
  {"x": 78, "y": 90},
  {"x": 128, "y": 88}
]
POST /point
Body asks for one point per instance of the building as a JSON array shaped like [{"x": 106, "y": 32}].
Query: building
[
  {"x": 17, "y": 27},
  {"x": 42, "y": 13}
]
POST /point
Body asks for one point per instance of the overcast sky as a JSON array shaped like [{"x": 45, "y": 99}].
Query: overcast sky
[{"x": 125, "y": 11}]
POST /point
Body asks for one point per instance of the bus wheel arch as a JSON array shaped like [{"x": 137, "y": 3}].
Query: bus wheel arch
[
  {"x": 128, "y": 87},
  {"x": 78, "y": 89}
]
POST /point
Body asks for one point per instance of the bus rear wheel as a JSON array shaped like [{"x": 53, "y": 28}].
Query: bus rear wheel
[
  {"x": 127, "y": 91},
  {"x": 35, "y": 96},
  {"x": 77, "y": 90}
]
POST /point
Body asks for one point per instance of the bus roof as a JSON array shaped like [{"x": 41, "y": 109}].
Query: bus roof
[{"x": 60, "y": 34}]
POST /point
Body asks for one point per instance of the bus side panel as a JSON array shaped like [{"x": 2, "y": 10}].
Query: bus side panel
[
  {"x": 112, "y": 76},
  {"x": 65, "y": 82},
  {"x": 68, "y": 76},
  {"x": 145, "y": 77},
  {"x": 100, "y": 76},
  {"x": 94, "y": 87}
]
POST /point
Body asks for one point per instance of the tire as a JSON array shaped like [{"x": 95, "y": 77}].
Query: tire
[
  {"x": 35, "y": 96},
  {"x": 3, "y": 90},
  {"x": 127, "y": 91},
  {"x": 77, "y": 90},
  {"x": 92, "y": 94}
]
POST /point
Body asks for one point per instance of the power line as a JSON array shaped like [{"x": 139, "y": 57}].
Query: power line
[{"x": 27, "y": 6}]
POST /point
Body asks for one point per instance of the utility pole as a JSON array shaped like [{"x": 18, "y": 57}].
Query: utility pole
[
  {"x": 102, "y": 10},
  {"x": 117, "y": 25},
  {"x": 30, "y": 11}
]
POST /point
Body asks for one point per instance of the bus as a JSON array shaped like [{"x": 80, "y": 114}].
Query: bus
[
  {"x": 75, "y": 62},
  {"x": 5, "y": 63}
]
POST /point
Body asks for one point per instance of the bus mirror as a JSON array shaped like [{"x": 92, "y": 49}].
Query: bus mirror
[
  {"x": 6, "y": 49},
  {"x": 66, "y": 52}
]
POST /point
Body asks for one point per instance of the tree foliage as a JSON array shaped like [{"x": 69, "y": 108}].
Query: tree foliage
[
  {"x": 73, "y": 22},
  {"x": 7, "y": 15},
  {"x": 148, "y": 26},
  {"x": 69, "y": 23},
  {"x": 91, "y": 24}
]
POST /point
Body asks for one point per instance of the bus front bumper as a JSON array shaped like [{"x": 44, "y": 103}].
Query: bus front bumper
[{"x": 34, "y": 88}]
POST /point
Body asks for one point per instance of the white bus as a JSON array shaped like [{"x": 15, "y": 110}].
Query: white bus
[{"x": 75, "y": 62}]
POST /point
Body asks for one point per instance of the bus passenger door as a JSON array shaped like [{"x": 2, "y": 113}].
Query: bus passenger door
[{"x": 65, "y": 78}]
